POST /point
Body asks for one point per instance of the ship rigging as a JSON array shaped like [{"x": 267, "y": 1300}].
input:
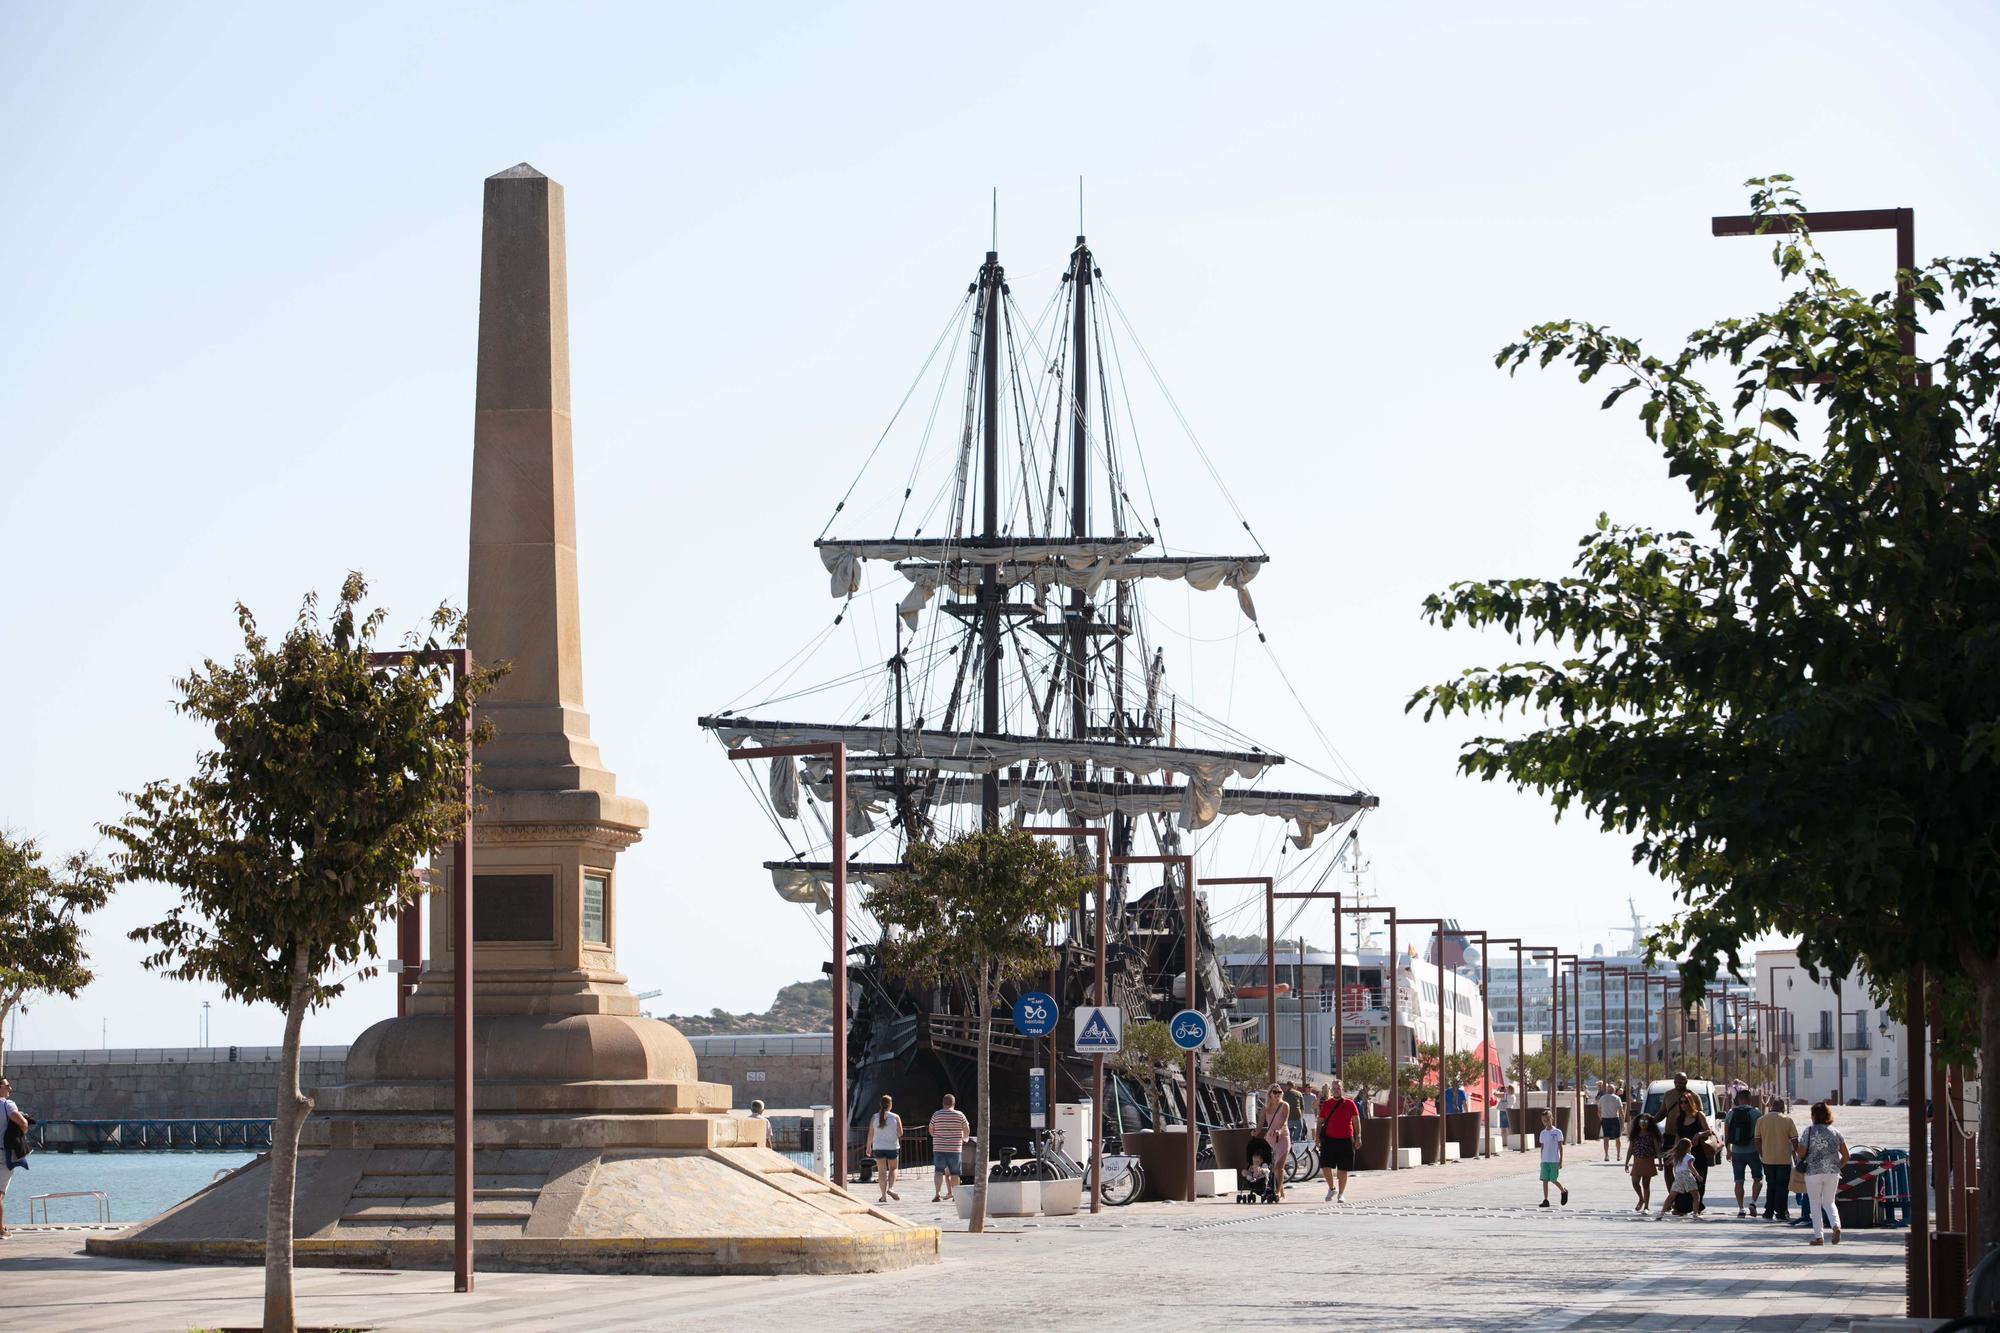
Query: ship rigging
[{"x": 1025, "y": 681}]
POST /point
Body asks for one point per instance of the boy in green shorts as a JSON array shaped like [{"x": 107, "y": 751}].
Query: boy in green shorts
[{"x": 1551, "y": 1140}]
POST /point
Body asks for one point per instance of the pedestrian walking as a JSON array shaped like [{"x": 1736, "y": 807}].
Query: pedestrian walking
[
  {"x": 1642, "y": 1160},
  {"x": 1309, "y": 1111},
  {"x": 1823, "y": 1152},
  {"x": 1506, "y": 1109},
  {"x": 948, "y": 1128},
  {"x": 1683, "y": 1120},
  {"x": 1278, "y": 1133},
  {"x": 1740, "y": 1132},
  {"x": 14, "y": 1155},
  {"x": 1683, "y": 1182},
  {"x": 1610, "y": 1107},
  {"x": 1295, "y": 1099},
  {"x": 885, "y": 1144},
  {"x": 1339, "y": 1127},
  {"x": 1551, "y": 1140},
  {"x": 1777, "y": 1139}
]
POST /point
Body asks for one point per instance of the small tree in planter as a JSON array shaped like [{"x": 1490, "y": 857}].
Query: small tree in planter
[
  {"x": 41, "y": 949},
  {"x": 1146, "y": 1047},
  {"x": 978, "y": 908},
  {"x": 1366, "y": 1076},
  {"x": 300, "y": 832},
  {"x": 1464, "y": 1069},
  {"x": 1240, "y": 1060}
]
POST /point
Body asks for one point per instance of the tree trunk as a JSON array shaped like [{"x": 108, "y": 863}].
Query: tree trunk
[
  {"x": 985, "y": 1100},
  {"x": 293, "y": 1107},
  {"x": 6, "y": 1012}
]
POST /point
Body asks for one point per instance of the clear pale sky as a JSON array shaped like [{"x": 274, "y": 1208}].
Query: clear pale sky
[{"x": 238, "y": 293}]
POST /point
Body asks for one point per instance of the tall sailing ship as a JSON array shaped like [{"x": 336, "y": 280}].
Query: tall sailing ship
[{"x": 1026, "y": 684}]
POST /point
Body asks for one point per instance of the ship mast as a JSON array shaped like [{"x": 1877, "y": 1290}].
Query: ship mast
[
  {"x": 1079, "y": 493},
  {"x": 992, "y": 288}
]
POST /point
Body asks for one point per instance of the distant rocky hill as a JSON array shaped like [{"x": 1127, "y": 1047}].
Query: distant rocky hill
[{"x": 803, "y": 1006}]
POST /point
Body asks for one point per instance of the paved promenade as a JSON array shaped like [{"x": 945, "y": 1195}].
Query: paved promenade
[{"x": 1460, "y": 1246}]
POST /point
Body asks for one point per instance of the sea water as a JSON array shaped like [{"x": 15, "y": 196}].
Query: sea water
[{"x": 137, "y": 1184}]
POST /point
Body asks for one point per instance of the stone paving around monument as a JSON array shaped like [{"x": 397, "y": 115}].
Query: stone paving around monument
[{"x": 1460, "y": 1246}]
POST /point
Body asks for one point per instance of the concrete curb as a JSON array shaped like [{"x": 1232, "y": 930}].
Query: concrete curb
[{"x": 761, "y": 1256}]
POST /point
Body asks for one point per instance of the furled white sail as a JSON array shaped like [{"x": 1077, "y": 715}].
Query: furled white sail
[
  {"x": 1310, "y": 814},
  {"x": 968, "y": 753},
  {"x": 843, "y": 558},
  {"x": 1206, "y": 574}
]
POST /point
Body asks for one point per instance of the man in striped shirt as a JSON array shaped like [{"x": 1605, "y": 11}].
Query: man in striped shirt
[{"x": 948, "y": 1128}]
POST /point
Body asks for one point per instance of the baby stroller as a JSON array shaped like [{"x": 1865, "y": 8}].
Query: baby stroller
[{"x": 1258, "y": 1182}]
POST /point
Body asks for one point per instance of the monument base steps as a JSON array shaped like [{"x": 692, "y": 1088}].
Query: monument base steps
[{"x": 625, "y": 1194}]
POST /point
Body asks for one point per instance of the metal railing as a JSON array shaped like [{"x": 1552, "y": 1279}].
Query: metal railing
[
  {"x": 245, "y": 1134},
  {"x": 170, "y": 1055},
  {"x": 962, "y": 1031},
  {"x": 1847, "y": 1041},
  {"x": 103, "y": 1203},
  {"x": 775, "y": 1043}
]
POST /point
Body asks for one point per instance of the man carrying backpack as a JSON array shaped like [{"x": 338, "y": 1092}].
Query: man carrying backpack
[
  {"x": 1740, "y": 1131},
  {"x": 14, "y": 1155}
]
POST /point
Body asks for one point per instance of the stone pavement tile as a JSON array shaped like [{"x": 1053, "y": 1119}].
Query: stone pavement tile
[{"x": 1461, "y": 1244}]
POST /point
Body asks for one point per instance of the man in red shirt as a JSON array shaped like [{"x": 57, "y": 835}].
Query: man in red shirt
[{"x": 1339, "y": 1127}]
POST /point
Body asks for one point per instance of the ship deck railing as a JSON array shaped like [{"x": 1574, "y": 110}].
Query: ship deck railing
[{"x": 959, "y": 1034}]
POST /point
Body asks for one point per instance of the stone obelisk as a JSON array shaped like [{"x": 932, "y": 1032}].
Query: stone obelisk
[
  {"x": 550, "y": 1004},
  {"x": 596, "y": 1145}
]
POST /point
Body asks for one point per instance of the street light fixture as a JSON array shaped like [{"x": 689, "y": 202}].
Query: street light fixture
[
  {"x": 1191, "y": 933},
  {"x": 1902, "y": 221},
  {"x": 1100, "y": 837},
  {"x": 409, "y": 945},
  {"x": 837, "y": 752}
]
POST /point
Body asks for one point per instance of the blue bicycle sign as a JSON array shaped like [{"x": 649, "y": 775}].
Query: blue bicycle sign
[
  {"x": 1035, "y": 1014},
  {"x": 1189, "y": 1029}
]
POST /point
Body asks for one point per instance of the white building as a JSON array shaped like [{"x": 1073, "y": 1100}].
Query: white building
[{"x": 1841, "y": 1044}]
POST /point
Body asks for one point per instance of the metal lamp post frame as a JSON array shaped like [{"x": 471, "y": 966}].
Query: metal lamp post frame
[
  {"x": 1100, "y": 837},
  {"x": 1437, "y": 924},
  {"x": 1186, "y": 863},
  {"x": 1902, "y": 221},
  {"x": 1520, "y": 1025},
  {"x": 836, "y": 751},
  {"x": 409, "y": 948}
]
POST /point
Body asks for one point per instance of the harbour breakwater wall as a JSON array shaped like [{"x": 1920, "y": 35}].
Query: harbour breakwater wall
[
  {"x": 222, "y": 1082},
  {"x": 172, "y": 1083}
]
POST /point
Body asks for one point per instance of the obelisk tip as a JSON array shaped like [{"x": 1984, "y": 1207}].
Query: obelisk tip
[{"x": 516, "y": 172}]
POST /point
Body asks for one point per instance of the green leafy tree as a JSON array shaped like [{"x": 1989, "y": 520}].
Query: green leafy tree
[
  {"x": 1240, "y": 1060},
  {"x": 1146, "y": 1046},
  {"x": 1419, "y": 1077},
  {"x": 979, "y": 910},
  {"x": 1464, "y": 1069},
  {"x": 1366, "y": 1076},
  {"x": 1795, "y": 712},
  {"x": 331, "y": 778},
  {"x": 41, "y": 925}
]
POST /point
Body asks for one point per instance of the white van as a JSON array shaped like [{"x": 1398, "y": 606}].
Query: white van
[{"x": 1703, "y": 1090}]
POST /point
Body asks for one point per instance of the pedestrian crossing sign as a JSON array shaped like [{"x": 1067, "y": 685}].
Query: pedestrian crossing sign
[{"x": 1100, "y": 1030}]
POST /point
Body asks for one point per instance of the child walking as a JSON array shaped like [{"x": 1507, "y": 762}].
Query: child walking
[
  {"x": 1642, "y": 1161},
  {"x": 1551, "y": 1140},
  {"x": 1684, "y": 1184}
]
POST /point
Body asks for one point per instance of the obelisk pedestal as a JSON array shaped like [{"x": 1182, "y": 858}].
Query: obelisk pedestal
[{"x": 597, "y": 1145}]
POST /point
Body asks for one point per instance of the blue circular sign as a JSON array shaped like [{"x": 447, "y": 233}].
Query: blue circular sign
[
  {"x": 1189, "y": 1029},
  {"x": 1035, "y": 1014}
]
